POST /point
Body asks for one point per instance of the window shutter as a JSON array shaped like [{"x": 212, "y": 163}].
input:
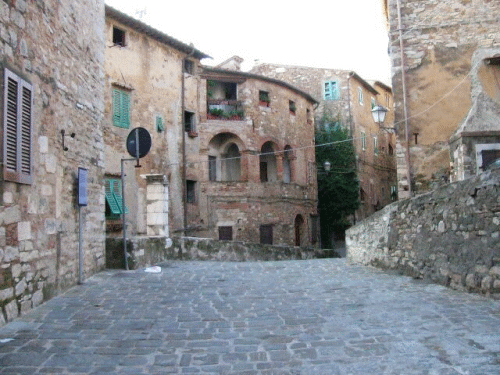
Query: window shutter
[
  {"x": 116, "y": 107},
  {"x": 335, "y": 91},
  {"x": 18, "y": 129},
  {"x": 125, "y": 109},
  {"x": 328, "y": 92},
  {"x": 113, "y": 205}
]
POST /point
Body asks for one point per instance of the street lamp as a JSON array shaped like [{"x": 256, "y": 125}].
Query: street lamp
[
  {"x": 378, "y": 113},
  {"x": 327, "y": 165}
]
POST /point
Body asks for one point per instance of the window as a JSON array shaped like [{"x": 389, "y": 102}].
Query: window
[
  {"x": 118, "y": 37},
  {"x": 363, "y": 141},
  {"x": 292, "y": 107},
  {"x": 114, "y": 200},
  {"x": 360, "y": 96},
  {"x": 17, "y": 129},
  {"x": 189, "y": 124},
  {"x": 121, "y": 108},
  {"x": 375, "y": 145},
  {"x": 287, "y": 165},
  {"x": 188, "y": 66},
  {"x": 160, "y": 126},
  {"x": 263, "y": 171},
  {"x": 226, "y": 233},
  {"x": 264, "y": 99},
  {"x": 268, "y": 164},
  {"x": 331, "y": 90},
  {"x": 391, "y": 150},
  {"x": 373, "y": 103},
  {"x": 266, "y": 234},
  {"x": 191, "y": 191},
  {"x": 394, "y": 193},
  {"x": 212, "y": 168}
]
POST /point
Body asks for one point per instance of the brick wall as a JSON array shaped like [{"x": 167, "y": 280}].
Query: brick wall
[{"x": 450, "y": 235}]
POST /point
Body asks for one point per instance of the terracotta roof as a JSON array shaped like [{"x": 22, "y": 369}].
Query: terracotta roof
[
  {"x": 364, "y": 83},
  {"x": 239, "y": 74},
  {"x": 153, "y": 33}
]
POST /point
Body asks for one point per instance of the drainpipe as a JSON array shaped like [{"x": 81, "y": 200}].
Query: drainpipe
[
  {"x": 183, "y": 132},
  {"x": 405, "y": 105}
]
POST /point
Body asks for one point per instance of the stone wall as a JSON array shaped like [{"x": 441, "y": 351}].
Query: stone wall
[
  {"x": 439, "y": 41},
  {"x": 450, "y": 235},
  {"x": 56, "y": 46},
  {"x": 147, "y": 251}
]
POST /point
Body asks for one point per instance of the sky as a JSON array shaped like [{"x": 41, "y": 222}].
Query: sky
[{"x": 348, "y": 35}]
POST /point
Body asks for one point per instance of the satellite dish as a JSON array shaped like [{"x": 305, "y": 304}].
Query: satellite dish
[{"x": 138, "y": 143}]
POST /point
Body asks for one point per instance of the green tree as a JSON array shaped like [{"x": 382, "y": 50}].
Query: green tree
[{"x": 338, "y": 189}]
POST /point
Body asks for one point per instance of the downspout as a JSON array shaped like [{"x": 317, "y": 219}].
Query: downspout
[
  {"x": 405, "y": 105},
  {"x": 183, "y": 132}
]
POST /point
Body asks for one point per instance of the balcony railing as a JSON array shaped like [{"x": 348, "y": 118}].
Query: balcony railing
[{"x": 220, "y": 109}]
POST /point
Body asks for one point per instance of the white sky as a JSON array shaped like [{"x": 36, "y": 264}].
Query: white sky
[{"x": 349, "y": 35}]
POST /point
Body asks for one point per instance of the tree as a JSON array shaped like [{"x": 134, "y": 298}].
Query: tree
[{"x": 338, "y": 189}]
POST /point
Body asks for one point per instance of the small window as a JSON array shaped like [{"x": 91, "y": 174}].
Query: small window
[
  {"x": 226, "y": 233},
  {"x": 331, "y": 90},
  {"x": 363, "y": 141},
  {"x": 266, "y": 234},
  {"x": 373, "y": 103},
  {"x": 375, "y": 145},
  {"x": 189, "y": 124},
  {"x": 17, "y": 129},
  {"x": 360, "y": 96},
  {"x": 191, "y": 191},
  {"x": 118, "y": 37},
  {"x": 264, "y": 99},
  {"x": 188, "y": 66},
  {"x": 391, "y": 150},
  {"x": 121, "y": 108},
  {"x": 292, "y": 107},
  {"x": 114, "y": 200},
  {"x": 212, "y": 168}
]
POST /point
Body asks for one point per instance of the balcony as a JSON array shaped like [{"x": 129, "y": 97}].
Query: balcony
[{"x": 223, "y": 109}]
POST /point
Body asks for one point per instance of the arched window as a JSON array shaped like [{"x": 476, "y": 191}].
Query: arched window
[
  {"x": 231, "y": 164},
  {"x": 224, "y": 158},
  {"x": 268, "y": 170},
  {"x": 287, "y": 165}
]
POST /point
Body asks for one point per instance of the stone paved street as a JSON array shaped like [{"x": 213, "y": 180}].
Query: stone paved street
[{"x": 291, "y": 317}]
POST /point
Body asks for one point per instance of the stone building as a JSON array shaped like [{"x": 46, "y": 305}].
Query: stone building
[
  {"x": 346, "y": 99},
  {"x": 444, "y": 68},
  {"x": 251, "y": 165},
  {"x": 53, "y": 95},
  {"x": 152, "y": 82},
  {"x": 206, "y": 155}
]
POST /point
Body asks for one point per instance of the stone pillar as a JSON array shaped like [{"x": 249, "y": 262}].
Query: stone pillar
[{"x": 157, "y": 205}]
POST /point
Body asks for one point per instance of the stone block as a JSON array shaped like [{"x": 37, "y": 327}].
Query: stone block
[
  {"x": 43, "y": 144},
  {"x": 6, "y": 294},
  {"x": 24, "y": 231},
  {"x": 12, "y": 311},
  {"x": 486, "y": 283},
  {"x": 16, "y": 270},
  {"x": 10, "y": 253},
  {"x": 21, "y": 288},
  {"x": 8, "y": 197},
  {"x": 11, "y": 215},
  {"x": 495, "y": 271}
]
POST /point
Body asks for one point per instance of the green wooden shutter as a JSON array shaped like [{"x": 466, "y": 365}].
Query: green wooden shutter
[
  {"x": 116, "y": 107},
  {"x": 109, "y": 192},
  {"x": 125, "y": 109},
  {"x": 335, "y": 90},
  {"x": 328, "y": 91},
  {"x": 121, "y": 108}
]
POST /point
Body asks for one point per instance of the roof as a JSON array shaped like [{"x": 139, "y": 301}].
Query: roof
[
  {"x": 239, "y": 74},
  {"x": 153, "y": 33},
  {"x": 383, "y": 85},
  {"x": 365, "y": 84}
]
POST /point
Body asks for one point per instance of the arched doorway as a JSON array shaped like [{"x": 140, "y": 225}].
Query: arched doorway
[
  {"x": 268, "y": 168},
  {"x": 299, "y": 230}
]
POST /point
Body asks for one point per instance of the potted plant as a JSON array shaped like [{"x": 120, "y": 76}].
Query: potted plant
[{"x": 264, "y": 99}]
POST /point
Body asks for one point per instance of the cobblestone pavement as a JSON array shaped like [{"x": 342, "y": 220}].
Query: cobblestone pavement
[{"x": 291, "y": 317}]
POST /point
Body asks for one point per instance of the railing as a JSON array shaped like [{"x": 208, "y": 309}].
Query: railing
[{"x": 218, "y": 109}]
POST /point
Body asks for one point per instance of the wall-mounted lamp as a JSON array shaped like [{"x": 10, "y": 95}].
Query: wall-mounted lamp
[
  {"x": 378, "y": 113},
  {"x": 63, "y": 132},
  {"x": 327, "y": 165}
]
